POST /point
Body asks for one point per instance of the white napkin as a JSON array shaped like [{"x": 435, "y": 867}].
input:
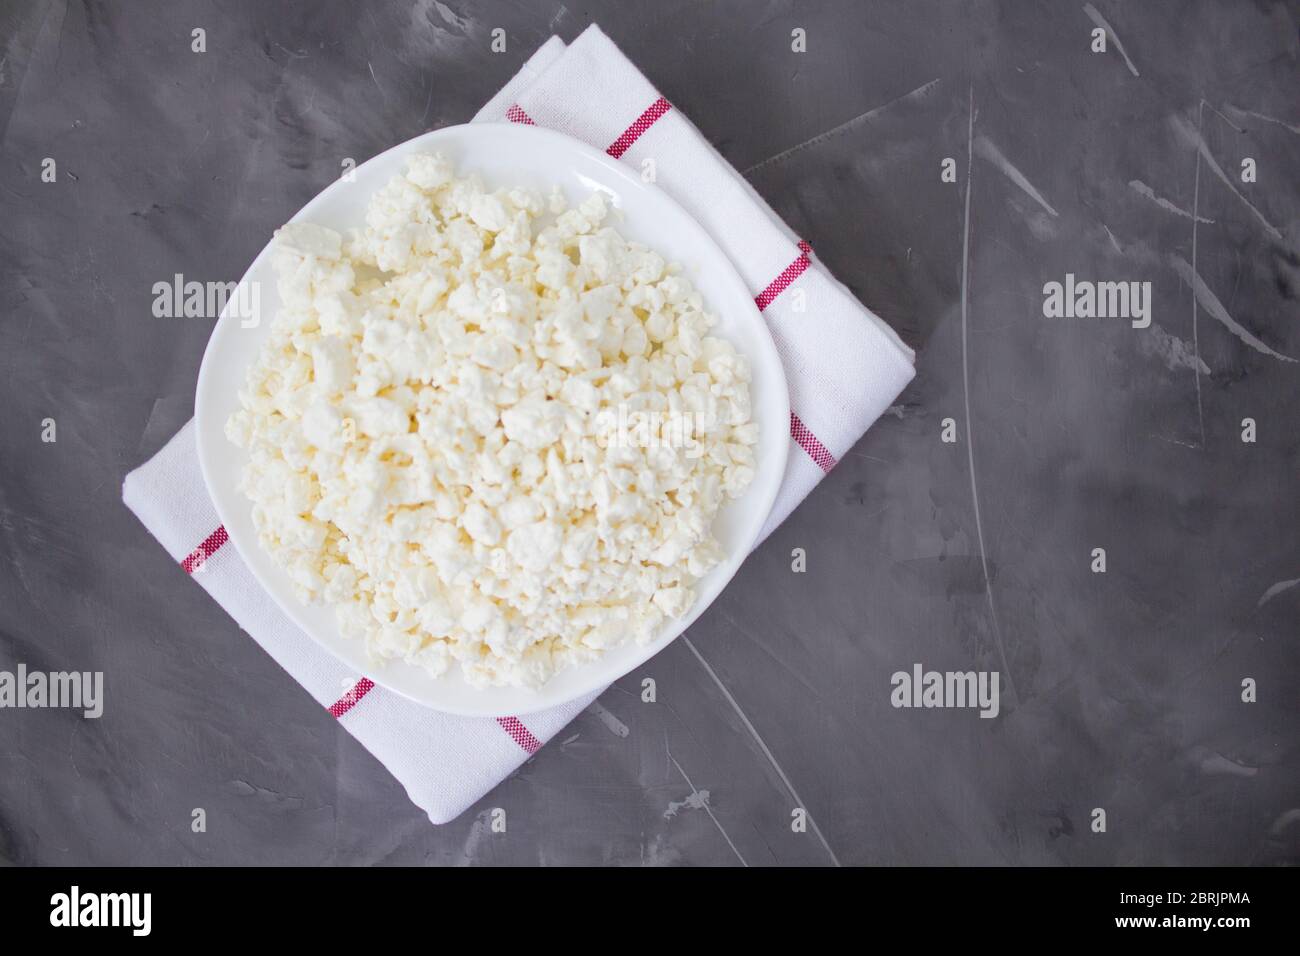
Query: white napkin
[{"x": 843, "y": 364}]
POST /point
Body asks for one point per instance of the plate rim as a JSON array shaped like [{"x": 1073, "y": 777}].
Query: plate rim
[{"x": 287, "y": 604}]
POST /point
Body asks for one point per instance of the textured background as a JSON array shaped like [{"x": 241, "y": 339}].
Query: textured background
[{"x": 1073, "y": 434}]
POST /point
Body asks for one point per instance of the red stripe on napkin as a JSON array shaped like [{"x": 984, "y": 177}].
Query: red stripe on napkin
[
  {"x": 800, "y": 432},
  {"x": 516, "y": 115},
  {"x": 520, "y": 734},
  {"x": 643, "y": 122},
  {"x": 349, "y": 700},
  {"x": 211, "y": 544},
  {"x": 809, "y": 443},
  {"x": 782, "y": 282}
]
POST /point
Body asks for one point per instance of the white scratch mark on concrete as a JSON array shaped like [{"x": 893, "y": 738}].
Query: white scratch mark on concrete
[
  {"x": 698, "y": 800},
  {"x": 1095, "y": 16},
  {"x": 1196, "y": 331},
  {"x": 1221, "y": 116},
  {"x": 1114, "y": 243},
  {"x": 1142, "y": 189},
  {"x": 376, "y": 79},
  {"x": 1213, "y": 307},
  {"x": 965, "y": 377},
  {"x": 695, "y": 800},
  {"x": 1284, "y": 821},
  {"x": 917, "y": 93},
  {"x": 1173, "y": 351},
  {"x": 615, "y": 726},
  {"x": 1176, "y": 441},
  {"x": 450, "y": 16},
  {"x": 1237, "y": 111},
  {"x": 1216, "y": 764},
  {"x": 1275, "y": 590},
  {"x": 762, "y": 745},
  {"x": 985, "y": 149},
  {"x": 469, "y": 850},
  {"x": 1192, "y": 137}
]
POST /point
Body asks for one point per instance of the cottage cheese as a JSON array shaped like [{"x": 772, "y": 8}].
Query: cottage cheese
[{"x": 488, "y": 430}]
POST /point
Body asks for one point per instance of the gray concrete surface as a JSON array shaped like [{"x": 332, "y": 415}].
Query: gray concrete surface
[{"x": 1121, "y": 690}]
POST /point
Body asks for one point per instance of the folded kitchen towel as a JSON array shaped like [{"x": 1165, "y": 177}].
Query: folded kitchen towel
[{"x": 844, "y": 367}]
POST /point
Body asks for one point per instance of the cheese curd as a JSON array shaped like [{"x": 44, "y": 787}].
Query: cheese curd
[{"x": 488, "y": 430}]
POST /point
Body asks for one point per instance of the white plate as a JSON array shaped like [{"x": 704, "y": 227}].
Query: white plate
[{"x": 503, "y": 155}]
